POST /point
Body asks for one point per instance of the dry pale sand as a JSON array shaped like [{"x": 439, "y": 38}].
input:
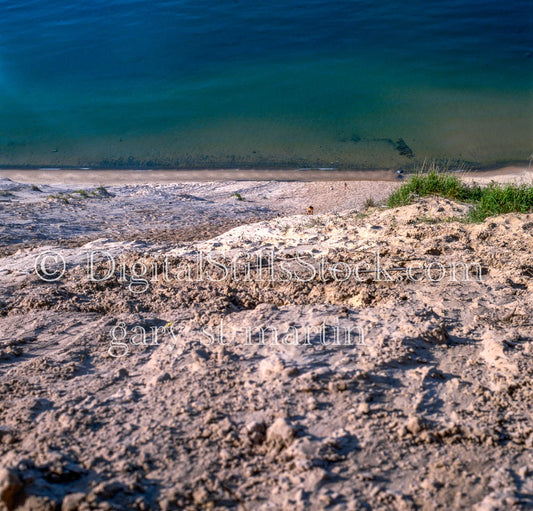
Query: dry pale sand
[
  {"x": 122, "y": 177},
  {"x": 267, "y": 359}
]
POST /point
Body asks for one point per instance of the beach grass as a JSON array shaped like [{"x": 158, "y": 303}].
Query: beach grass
[
  {"x": 101, "y": 191},
  {"x": 370, "y": 203},
  {"x": 491, "y": 200}
]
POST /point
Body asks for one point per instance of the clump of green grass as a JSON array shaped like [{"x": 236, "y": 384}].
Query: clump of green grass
[
  {"x": 99, "y": 192},
  {"x": 237, "y": 195},
  {"x": 369, "y": 203},
  {"x": 316, "y": 222},
  {"x": 102, "y": 192},
  {"x": 432, "y": 183},
  {"x": 360, "y": 215},
  {"x": 63, "y": 197},
  {"x": 491, "y": 200},
  {"x": 498, "y": 199}
]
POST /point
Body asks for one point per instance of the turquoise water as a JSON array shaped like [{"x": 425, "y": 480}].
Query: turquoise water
[{"x": 188, "y": 84}]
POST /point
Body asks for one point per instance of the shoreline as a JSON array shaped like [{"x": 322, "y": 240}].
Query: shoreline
[{"x": 134, "y": 176}]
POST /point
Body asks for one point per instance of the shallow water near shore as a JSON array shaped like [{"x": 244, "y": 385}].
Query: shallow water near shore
[{"x": 126, "y": 84}]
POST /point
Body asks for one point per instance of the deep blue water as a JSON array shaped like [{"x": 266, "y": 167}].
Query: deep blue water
[{"x": 209, "y": 83}]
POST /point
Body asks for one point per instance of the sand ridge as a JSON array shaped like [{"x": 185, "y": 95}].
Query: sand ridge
[{"x": 429, "y": 409}]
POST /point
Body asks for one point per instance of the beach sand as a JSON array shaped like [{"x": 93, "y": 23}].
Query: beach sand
[
  {"x": 376, "y": 387},
  {"x": 121, "y": 177}
]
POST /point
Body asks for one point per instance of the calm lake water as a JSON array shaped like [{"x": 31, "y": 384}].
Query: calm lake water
[{"x": 242, "y": 83}]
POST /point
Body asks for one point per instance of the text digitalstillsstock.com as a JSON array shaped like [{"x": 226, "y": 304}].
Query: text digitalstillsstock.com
[{"x": 262, "y": 266}]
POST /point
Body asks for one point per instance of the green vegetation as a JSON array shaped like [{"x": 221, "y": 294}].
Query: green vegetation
[
  {"x": 433, "y": 183},
  {"x": 491, "y": 200},
  {"x": 64, "y": 197},
  {"x": 360, "y": 215},
  {"x": 316, "y": 222},
  {"x": 498, "y": 199},
  {"x": 237, "y": 195},
  {"x": 369, "y": 203},
  {"x": 101, "y": 191}
]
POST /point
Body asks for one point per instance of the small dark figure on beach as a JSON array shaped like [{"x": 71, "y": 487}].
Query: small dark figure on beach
[{"x": 310, "y": 210}]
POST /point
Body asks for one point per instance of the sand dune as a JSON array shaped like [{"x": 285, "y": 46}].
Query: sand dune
[{"x": 349, "y": 360}]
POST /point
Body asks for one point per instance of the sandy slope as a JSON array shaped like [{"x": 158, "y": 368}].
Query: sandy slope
[
  {"x": 429, "y": 406},
  {"x": 169, "y": 213}
]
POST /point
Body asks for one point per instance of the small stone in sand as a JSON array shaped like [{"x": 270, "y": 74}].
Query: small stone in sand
[{"x": 10, "y": 486}]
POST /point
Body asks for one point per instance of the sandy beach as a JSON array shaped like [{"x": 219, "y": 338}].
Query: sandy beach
[
  {"x": 190, "y": 343},
  {"x": 119, "y": 177}
]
